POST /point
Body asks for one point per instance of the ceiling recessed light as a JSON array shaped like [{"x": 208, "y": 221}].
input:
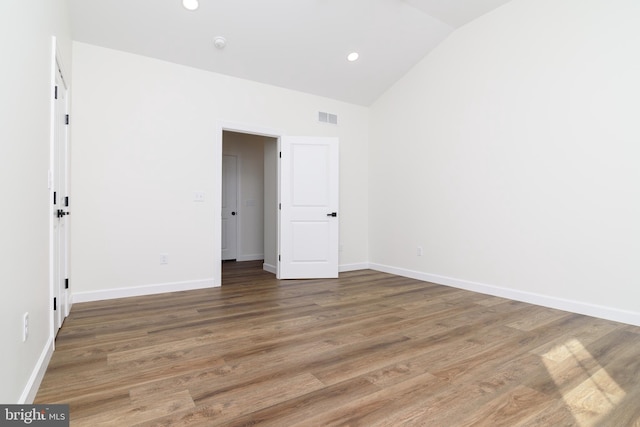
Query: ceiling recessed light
[
  {"x": 353, "y": 56},
  {"x": 190, "y": 4}
]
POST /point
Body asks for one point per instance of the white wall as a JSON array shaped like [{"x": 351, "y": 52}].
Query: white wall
[
  {"x": 510, "y": 154},
  {"x": 144, "y": 135},
  {"x": 249, "y": 151},
  {"x": 26, "y": 45}
]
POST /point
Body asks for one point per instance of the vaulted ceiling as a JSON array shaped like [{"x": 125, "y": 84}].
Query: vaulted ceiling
[{"x": 296, "y": 44}]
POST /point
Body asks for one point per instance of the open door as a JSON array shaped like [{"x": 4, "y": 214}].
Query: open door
[
  {"x": 309, "y": 195},
  {"x": 60, "y": 200}
]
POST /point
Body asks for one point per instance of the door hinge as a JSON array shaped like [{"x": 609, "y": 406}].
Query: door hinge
[
  {"x": 66, "y": 283},
  {"x": 279, "y": 258},
  {"x": 280, "y": 154},
  {"x": 55, "y": 305},
  {"x": 280, "y": 206},
  {"x": 66, "y": 119},
  {"x": 55, "y": 92},
  {"x": 54, "y": 198},
  {"x": 66, "y": 201}
]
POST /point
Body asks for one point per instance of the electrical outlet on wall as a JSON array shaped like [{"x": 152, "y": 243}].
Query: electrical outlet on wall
[
  {"x": 419, "y": 251},
  {"x": 164, "y": 259}
]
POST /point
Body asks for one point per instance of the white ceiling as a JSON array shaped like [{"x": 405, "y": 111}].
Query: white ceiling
[{"x": 296, "y": 44}]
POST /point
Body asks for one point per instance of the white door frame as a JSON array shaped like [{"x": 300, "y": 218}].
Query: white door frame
[{"x": 240, "y": 128}]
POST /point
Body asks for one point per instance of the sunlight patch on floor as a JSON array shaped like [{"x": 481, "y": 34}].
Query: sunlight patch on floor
[{"x": 594, "y": 397}]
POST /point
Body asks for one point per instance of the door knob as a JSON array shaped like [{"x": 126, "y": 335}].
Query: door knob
[
  {"x": 334, "y": 214},
  {"x": 233, "y": 213}
]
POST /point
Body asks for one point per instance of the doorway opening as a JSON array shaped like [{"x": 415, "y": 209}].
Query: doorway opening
[{"x": 249, "y": 199}]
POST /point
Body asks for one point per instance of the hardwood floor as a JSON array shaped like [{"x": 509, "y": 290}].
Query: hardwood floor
[{"x": 368, "y": 349}]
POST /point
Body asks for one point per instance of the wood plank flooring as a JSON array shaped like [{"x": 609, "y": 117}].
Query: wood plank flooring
[{"x": 368, "y": 349}]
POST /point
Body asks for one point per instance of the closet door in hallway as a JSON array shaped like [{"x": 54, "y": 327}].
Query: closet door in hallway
[{"x": 229, "y": 207}]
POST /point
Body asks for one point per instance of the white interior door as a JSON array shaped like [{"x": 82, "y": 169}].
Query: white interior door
[
  {"x": 229, "y": 207},
  {"x": 309, "y": 195},
  {"x": 61, "y": 202}
]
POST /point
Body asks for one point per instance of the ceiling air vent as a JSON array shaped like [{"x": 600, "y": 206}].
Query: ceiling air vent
[{"x": 327, "y": 118}]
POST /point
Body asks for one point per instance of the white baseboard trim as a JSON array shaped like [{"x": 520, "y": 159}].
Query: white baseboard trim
[
  {"x": 341, "y": 268},
  {"x": 31, "y": 389},
  {"x": 573, "y": 306},
  {"x": 352, "y": 267},
  {"x": 579, "y": 307},
  {"x": 142, "y": 290},
  {"x": 254, "y": 257},
  {"x": 270, "y": 268}
]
